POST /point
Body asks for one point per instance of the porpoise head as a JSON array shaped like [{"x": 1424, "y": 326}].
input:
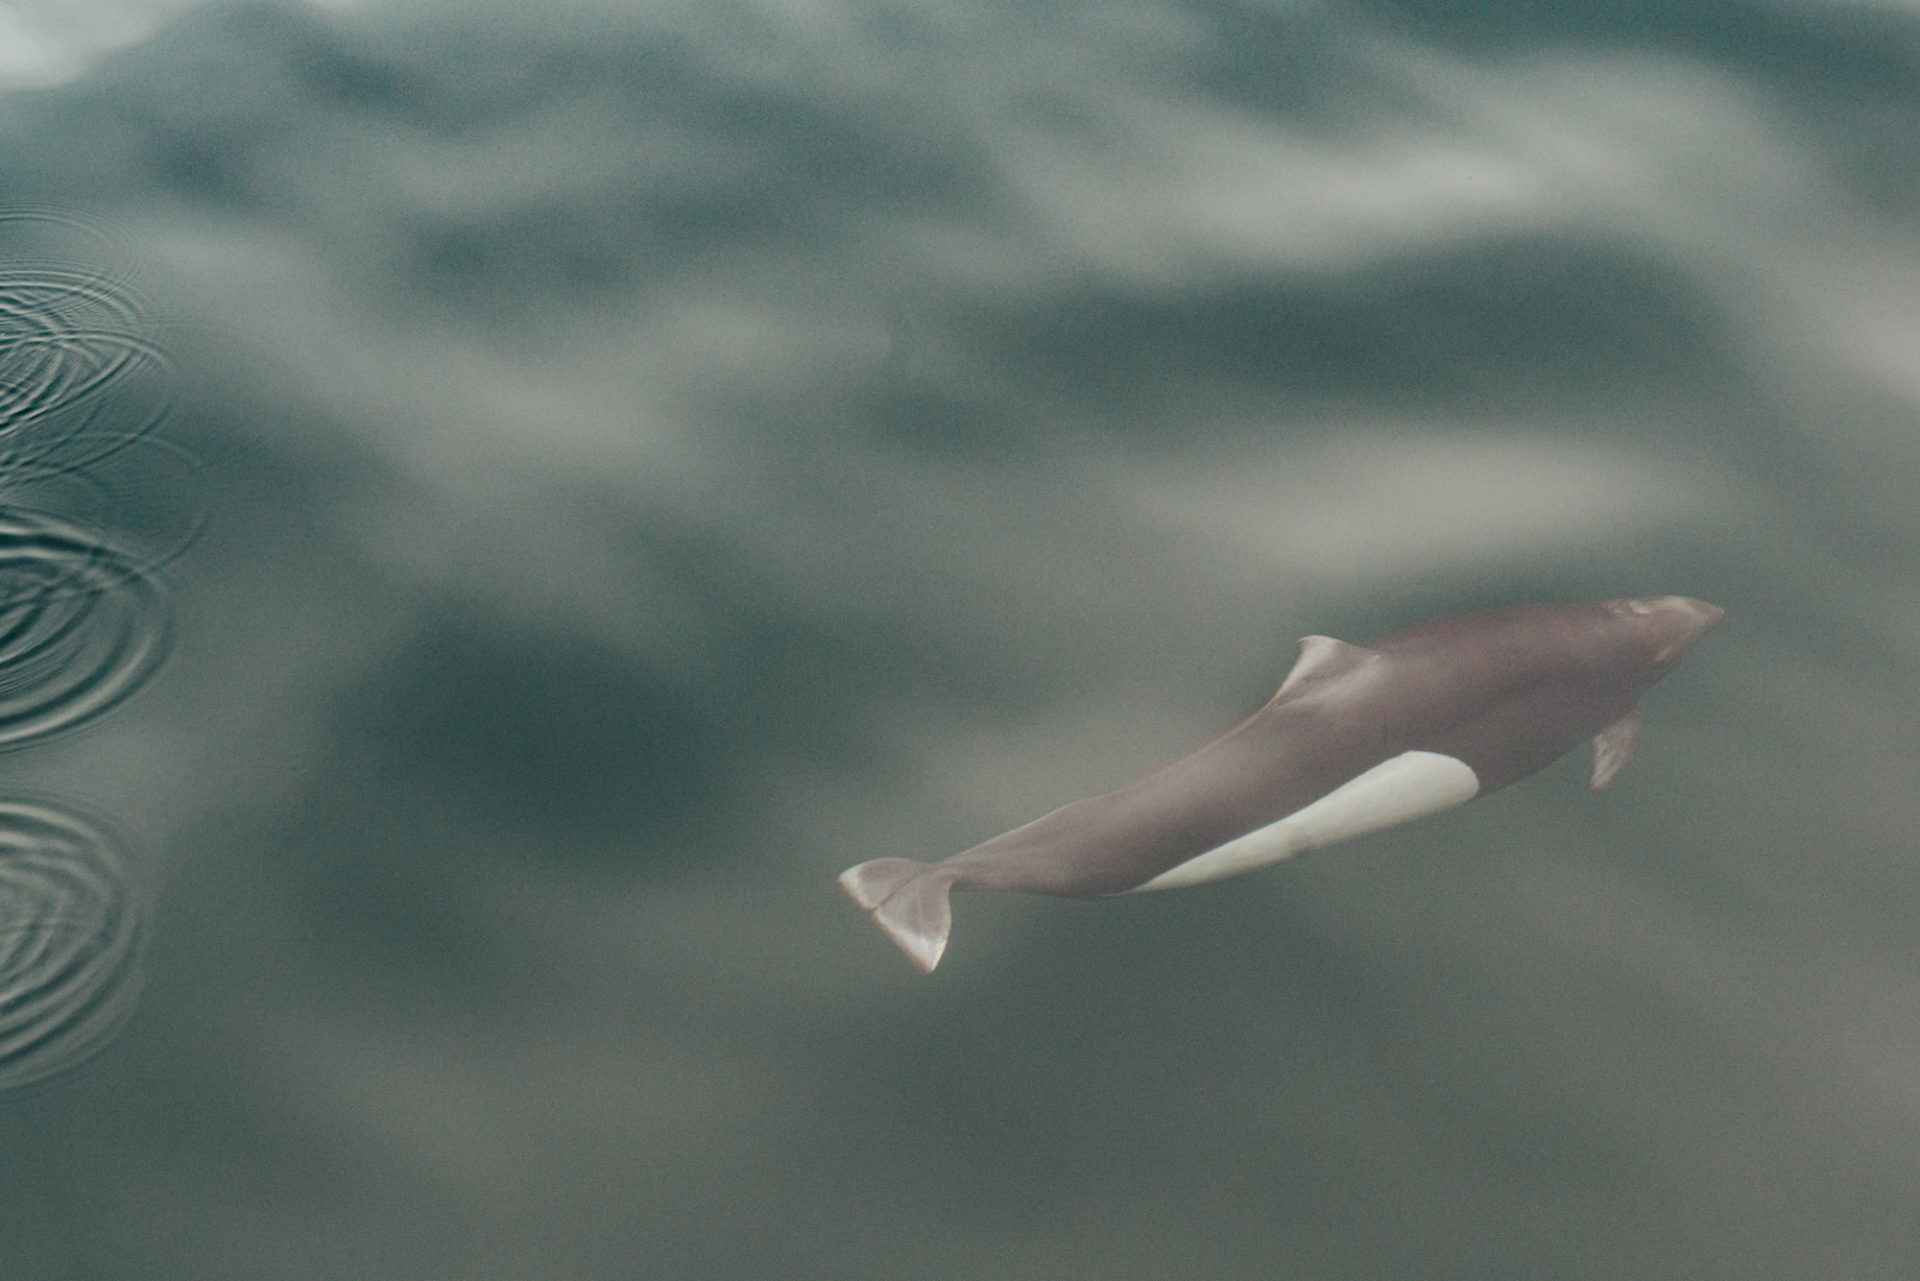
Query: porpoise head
[{"x": 1665, "y": 627}]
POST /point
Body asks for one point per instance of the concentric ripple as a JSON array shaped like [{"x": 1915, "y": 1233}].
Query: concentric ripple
[
  {"x": 82, "y": 623},
  {"x": 70, "y": 941},
  {"x": 67, "y": 340},
  {"x": 81, "y": 628}
]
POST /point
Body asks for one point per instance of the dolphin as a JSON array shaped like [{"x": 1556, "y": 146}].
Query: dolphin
[{"x": 1356, "y": 739}]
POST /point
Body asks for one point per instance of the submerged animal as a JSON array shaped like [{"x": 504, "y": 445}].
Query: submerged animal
[{"x": 1356, "y": 740}]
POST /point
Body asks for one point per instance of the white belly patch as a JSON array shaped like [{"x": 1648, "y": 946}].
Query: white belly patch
[{"x": 1408, "y": 786}]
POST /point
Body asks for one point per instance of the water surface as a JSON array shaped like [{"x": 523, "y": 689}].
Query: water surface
[{"x": 581, "y": 475}]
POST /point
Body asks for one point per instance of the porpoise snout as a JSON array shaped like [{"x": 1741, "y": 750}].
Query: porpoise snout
[
  {"x": 1705, "y": 615},
  {"x": 1685, "y": 621}
]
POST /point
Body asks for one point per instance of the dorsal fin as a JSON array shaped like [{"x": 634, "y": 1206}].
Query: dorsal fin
[{"x": 1319, "y": 658}]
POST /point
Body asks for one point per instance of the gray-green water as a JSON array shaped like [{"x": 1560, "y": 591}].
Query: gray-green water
[{"x": 636, "y": 460}]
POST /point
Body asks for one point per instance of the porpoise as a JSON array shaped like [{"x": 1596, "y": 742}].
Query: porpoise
[{"x": 1357, "y": 739}]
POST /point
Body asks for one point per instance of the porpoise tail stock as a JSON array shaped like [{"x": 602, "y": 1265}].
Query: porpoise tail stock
[{"x": 1357, "y": 739}]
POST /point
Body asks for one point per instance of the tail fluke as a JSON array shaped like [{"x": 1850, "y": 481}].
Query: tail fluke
[
  {"x": 869, "y": 884},
  {"x": 908, "y": 901}
]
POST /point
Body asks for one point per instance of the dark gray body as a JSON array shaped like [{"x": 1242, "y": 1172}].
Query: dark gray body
[{"x": 1503, "y": 693}]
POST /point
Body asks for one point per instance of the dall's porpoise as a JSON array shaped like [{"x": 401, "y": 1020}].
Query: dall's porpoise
[{"x": 1356, "y": 740}]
